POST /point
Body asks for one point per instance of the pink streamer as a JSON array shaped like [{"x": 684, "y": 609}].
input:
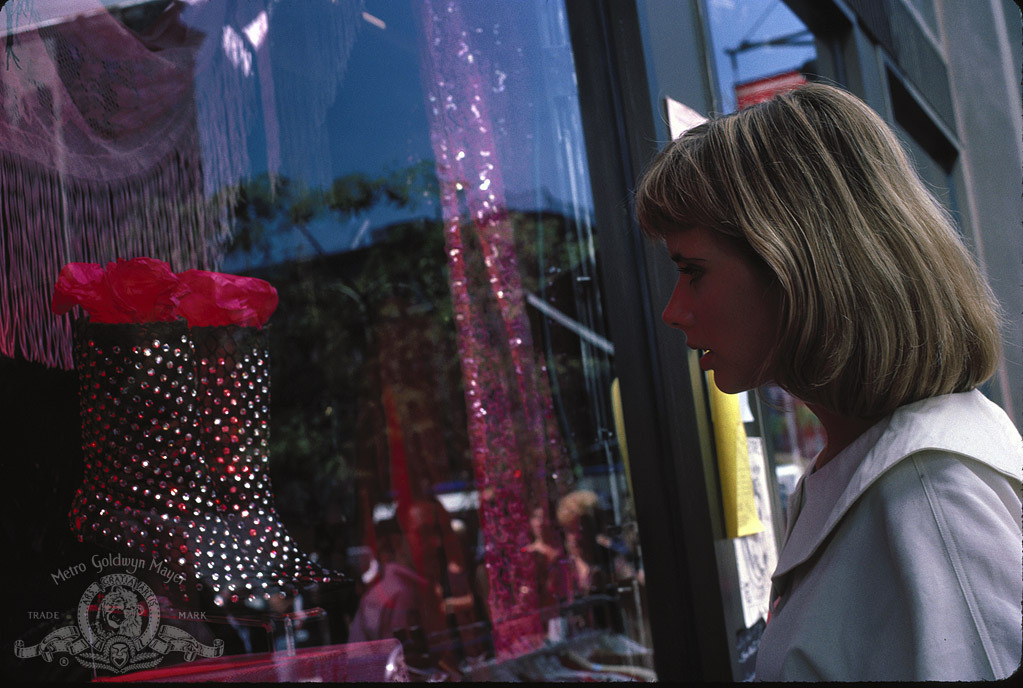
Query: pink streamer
[{"x": 511, "y": 429}]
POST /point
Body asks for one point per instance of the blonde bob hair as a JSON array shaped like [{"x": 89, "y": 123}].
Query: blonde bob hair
[{"x": 882, "y": 304}]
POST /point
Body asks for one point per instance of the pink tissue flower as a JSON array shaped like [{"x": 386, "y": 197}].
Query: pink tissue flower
[
  {"x": 143, "y": 288},
  {"x": 208, "y": 299},
  {"x": 147, "y": 290},
  {"x": 136, "y": 290}
]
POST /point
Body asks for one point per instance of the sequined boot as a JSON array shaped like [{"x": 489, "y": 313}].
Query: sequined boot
[
  {"x": 145, "y": 490},
  {"x": 234, "y": 398}
]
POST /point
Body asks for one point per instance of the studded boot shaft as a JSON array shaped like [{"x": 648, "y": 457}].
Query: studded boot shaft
[
  {"x": 139, "y": 438},
  {"x": 145, "y": 489},
  {"x": 234, "y": 399}
]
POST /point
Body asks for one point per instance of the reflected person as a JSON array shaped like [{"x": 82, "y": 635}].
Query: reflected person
[{"x": 401, "y": 598}]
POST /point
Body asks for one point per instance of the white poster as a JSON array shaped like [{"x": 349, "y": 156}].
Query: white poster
[
  {"x": 681, "y": 117},
  {"x": 757, "y": 555}
]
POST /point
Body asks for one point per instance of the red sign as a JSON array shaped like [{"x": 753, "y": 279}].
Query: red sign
[{"x": 753, "y": 92}]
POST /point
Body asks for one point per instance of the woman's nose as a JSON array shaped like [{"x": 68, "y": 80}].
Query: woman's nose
[{"x": 677, "y": 313}]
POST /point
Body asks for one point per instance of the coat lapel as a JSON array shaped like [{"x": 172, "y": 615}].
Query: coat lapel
[{"x": 966, "y": 423}]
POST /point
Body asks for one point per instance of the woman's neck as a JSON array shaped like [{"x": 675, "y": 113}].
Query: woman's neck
[{"x": 841, "y": 431}]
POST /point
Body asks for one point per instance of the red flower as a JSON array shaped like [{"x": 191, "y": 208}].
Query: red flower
[
  {"x": 82, "y": 284},
  {"x": 142, "y": 288},
  {"x": 147, "y": 290},
  {"x": 136, "y": 290},
  {"x": 208, "y": 299},
  {"x": 77, "y": 285}
]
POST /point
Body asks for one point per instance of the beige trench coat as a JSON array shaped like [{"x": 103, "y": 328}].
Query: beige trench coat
[{"x": 903, "y": 556}]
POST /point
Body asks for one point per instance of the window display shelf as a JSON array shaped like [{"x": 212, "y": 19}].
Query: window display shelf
[
  {"x": 591, "y": 656},
  {"x": 374, "y": 661}
]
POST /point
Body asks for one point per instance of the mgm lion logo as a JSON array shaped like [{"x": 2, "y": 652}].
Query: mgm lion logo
[{"x": 119, "y": 630}]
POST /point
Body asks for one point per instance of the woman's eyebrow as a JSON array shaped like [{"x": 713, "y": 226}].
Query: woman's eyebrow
[{"x": 679, "y": 258}]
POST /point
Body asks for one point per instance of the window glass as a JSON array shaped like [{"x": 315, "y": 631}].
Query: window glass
[
  {"x": 928, "y": 148},
  {"x": 759, "y": 47},
  {"x": 936, "y": 175},
  {"x": 411, "y": 178}
]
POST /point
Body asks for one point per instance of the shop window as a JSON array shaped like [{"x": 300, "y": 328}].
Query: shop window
[{"x": 411, "y": 178}]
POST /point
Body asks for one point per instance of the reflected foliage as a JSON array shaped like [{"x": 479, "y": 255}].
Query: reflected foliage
[
  {"x": 353, "y": 322},
  {"x": 266, "y": 210}
]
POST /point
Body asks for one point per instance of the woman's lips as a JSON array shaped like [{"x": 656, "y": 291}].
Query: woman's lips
[{"x": 706, "y": 356}]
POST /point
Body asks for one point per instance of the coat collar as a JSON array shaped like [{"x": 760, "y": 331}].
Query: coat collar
[{"x": 965, "y": 423}]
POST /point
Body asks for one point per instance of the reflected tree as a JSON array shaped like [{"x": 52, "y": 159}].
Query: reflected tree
[
  {"x": 321, "y": 336},
  {"x": 355, "y": 322}
]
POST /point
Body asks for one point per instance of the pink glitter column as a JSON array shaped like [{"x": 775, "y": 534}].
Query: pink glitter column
[{"x": 511, "y": 430}]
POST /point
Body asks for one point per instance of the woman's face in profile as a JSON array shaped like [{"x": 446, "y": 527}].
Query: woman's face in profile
[{"x": 727, "y": 304}]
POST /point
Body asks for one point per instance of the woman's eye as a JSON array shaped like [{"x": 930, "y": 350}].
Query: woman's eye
[{"x": 693, "y": 273}]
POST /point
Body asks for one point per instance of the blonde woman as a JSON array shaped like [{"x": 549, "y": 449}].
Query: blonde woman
[{"x": 811, "y": 255}]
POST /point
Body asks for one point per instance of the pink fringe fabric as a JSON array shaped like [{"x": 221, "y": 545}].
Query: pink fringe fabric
[
  {"x": 115, "y": 145},
  {"x": 99, "y": 159},
  {"x": 50, "y": 220}
]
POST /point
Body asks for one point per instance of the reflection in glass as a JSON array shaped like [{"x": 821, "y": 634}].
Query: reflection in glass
[
  {"x": 760, "y": 47},
  {"x": 794, "y": 435},
  {"x": 410, "y": 176}
]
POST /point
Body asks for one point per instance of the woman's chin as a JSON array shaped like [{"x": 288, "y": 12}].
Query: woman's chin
[
  {"x": 731, "y": 389},
  {"x": 730, "y": 385}
]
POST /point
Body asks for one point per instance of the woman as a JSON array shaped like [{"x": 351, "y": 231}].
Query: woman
[{"x": 811, "y": 255}]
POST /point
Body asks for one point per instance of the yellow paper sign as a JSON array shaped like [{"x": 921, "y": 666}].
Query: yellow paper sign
[
  {"x": 619, "y": 416},
  {"x": 741, "y": 517}
]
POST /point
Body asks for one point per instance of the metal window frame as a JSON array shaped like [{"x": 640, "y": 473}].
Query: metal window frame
[{"x": 673, "y": 474}]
